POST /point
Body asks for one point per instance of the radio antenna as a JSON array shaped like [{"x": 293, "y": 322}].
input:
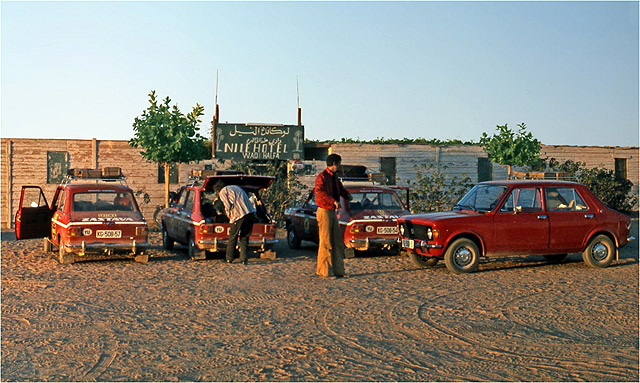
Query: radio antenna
[{"x": 216, "y": 87}]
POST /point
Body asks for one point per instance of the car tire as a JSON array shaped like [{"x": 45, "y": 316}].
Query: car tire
[
  {"x": 46, "y": 245},
  {"x": 293, "y": 240},
  {"x": 64, "y": 257},
  {"x": 422, "y": 261},
  {"x": 554, "y": 258},
  {"x": 462, "y": 256},
  {"x": 194, "y": 252},
  {"x": 599, "y": 252},
  {"x": 167, "y": 241}
]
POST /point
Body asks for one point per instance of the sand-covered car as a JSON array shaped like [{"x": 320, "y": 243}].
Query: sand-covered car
[
  {"x": 368, "y": 221},
  {"x": 500, "y": 218},
  {"x": 93, "y": 214},
  {"x": 193, "y": 221}
]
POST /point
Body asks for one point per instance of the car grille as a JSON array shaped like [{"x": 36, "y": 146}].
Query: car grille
[{"x": 415, "y": 231}]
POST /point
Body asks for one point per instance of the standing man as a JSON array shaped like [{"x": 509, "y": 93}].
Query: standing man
[
  {"x": 241, "y": 213},
  {"x": 328, "y": 191}
]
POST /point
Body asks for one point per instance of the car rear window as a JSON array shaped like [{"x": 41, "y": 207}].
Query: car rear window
[
  {"x": 375, "y": 201},
  {"x": 103, "y": 201}
]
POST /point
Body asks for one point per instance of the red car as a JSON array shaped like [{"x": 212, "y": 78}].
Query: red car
[
  {"x": 193, "y": 221},
  {"x": 497, "y": 218},
  {"x": 93, "y": 212},
  {"x": 368, "y": 221}
]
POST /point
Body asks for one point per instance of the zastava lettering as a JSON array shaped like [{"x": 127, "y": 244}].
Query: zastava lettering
[{"x": 109, "y": 219}]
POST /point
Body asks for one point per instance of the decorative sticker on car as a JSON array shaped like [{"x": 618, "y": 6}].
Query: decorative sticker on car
[{"x": 108, "y": 219}]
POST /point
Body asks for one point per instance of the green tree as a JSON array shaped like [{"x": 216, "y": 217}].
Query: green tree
[
  {"x": 168, "y": 136},
  {"x": 512, "y": 148},
  {"x": 433, "y": 191},
  {"x": 285, "y": 191}
]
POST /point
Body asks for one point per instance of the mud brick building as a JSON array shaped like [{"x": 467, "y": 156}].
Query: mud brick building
[{"x": 43, "y": 162}]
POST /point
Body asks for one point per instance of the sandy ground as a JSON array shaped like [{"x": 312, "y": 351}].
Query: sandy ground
[{"x": 516, "y": 319}]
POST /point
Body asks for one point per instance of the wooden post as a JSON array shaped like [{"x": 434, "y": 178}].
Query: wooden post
[{"x": 166, "y": 184}]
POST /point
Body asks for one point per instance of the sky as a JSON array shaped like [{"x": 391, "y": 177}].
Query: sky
[{"x": 364, "y": 70}]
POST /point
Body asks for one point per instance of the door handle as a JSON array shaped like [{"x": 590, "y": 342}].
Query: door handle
[
  {"x": 588, "y": 216},
  {"x": 542, "y": 217}
]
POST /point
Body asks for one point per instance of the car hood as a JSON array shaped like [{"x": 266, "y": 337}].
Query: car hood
[
  {"x": 244, "y": 181},
  {"x": 440, "y": 216}
]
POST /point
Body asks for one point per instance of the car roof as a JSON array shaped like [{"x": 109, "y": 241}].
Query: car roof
[
  {"x": 85, "y": 187},
  {"x": 244, "y": 181},
  {"x": 359, "y": 188},
  {"x": 531, "y": 183}
]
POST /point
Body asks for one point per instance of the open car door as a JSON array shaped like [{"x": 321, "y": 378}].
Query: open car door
[{"x": 33, "y": 219}]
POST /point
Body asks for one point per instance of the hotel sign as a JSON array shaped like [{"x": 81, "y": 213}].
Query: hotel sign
[{"x": 259, "y": 142}]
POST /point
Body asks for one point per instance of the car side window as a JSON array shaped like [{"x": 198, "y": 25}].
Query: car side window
[
  {"x": 524, "y": 200},
  {"x": 190, "y": 198},
  {"x": 183, "y": 197},
  {"x": 564, "y": 199}
]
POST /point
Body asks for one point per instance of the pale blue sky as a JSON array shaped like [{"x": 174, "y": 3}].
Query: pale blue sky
[{"x": 445, "y": 70}]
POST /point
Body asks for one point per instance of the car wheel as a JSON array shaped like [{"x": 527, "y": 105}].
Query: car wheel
[
  {"x": 462, "y": 256},
  {"x": 46, "y": 244},
  {"x": 167, "y": 241},
  {"x": 554, "y": 258},
  {"x": 194, "y": 252},
  {"x": 422, "y": 261},
  {"x": 293, "y": 240},
  {"x": 599, "y": 252},
  {"x": 64, "y": 257}
]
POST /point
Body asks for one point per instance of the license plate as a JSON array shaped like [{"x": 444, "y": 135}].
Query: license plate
[
  {"x": 387, "y": 230},
  {"x": 108, "y": 233},
  {"x": 408, "y": 243}
]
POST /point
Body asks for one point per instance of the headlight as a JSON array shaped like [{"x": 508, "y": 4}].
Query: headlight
[
  {"x": 401, "y": 228},
  {"x": 429, "y": 233}
]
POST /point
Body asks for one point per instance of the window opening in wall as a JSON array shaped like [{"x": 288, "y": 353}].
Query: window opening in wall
[
  {"x": 57, "y": 165},
  {"x": 621, "y": 168},
  {"x": 485, "y": 170},
  {"x": 173, "y": 173},
  {"x": 388, "y": 167}
]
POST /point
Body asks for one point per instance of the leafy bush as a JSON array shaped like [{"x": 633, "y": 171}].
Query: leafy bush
[
  {"x": 433, "y": 191},
  {"x": 614, "y": 192},
  {"x": 285, "y": 191}
]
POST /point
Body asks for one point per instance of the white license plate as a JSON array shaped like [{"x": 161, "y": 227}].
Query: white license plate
[
  {"x": 387, "y": 230},
  {"x": 108, "y": 233},
  {"x": 408, "y": 243}
]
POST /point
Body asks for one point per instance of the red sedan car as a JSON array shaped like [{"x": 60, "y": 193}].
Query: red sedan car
[
  {"x": 368, "y": 221},
  {"x": 193, "y": 221},
  {"x": 497, "y": 218},
  {"x": 93, "y": 214}
]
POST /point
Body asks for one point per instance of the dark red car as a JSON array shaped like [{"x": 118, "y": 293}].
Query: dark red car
[
  {"x": 93, "y": 213},
  {"x": 193, "y": 221},
  {"x": 497, "y": 218},
  {"x": 368, "y": 221}
]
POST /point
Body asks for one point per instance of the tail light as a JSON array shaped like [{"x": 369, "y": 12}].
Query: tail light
[
  {"x": 356, "y": 228},
  {"x": 206, "y": 229},
  {"x": 269, "y": 229},
  {"x": 74, "y": 232},
  {"x": 142, "y": 230}
]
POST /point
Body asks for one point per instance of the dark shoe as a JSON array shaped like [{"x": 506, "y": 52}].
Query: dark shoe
[{"x": 342, "y": 276}]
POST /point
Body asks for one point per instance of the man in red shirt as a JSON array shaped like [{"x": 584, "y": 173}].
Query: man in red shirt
[{"x": 328, "y": 191}]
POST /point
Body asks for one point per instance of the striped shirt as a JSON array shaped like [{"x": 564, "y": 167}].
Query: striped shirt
[{"x": 236, "y": 202}]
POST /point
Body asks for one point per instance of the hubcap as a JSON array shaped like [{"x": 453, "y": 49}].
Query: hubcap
[
  {"x": 600, "y": 251},
  {"x": 463, "y": 256}
]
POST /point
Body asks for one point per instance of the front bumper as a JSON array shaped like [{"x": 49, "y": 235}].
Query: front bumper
[
  {"x": 421, "y": 246},
  {"x": 109, "y": 248},
  {"x": 220, "y": 245}
]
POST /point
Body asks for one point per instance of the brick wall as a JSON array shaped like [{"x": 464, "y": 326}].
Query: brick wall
[{"x": 24, "y": 162}]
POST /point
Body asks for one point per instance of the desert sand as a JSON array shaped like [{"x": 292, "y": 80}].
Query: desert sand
[{"x": 172, "y": 319}]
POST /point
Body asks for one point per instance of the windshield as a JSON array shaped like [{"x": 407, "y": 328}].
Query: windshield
[
  {"x": 103, "y": 201},
  {"x": 375, "y": 201},
  {"x": 482, "y": 198}
]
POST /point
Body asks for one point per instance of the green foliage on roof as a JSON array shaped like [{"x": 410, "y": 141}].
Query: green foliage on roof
[{"x": 399, "y": 141}]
